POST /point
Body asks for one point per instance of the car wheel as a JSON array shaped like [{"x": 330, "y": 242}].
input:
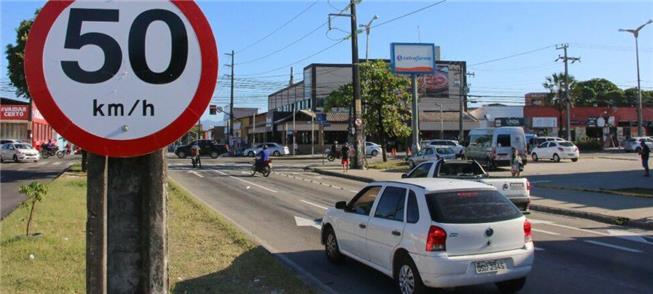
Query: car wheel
[
  {"x": 574, "y": 159},
  {"x": 375, "y": 152},
  {"x": 181, "y": 154},
  {"x": 534, "y": 156},
  {"x": 276, "y": 153},
  {"x": 331, "y": 247},
  {"x": 250, "y": 154},
  {"x": 511, "y": 286},
  {"x": 556, "y": 158},
  {"x": 407, "y": 277},
  {"x": 15, "y": 158},
  {"x": 214, "y": 154}
]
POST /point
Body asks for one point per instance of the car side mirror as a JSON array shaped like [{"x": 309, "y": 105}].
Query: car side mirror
[
  {"x": 403, "y": 176},
  {"x": 341, "y": 205}
]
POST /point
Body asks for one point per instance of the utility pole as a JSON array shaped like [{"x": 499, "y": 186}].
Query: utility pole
[
  {"x": 294, "y": 105},
  {"x": 463, "y": 102},
  {"x": 567, "y": 99},
  {"x": 640, "y": 117},
  {"x": 231, "y": 103}
]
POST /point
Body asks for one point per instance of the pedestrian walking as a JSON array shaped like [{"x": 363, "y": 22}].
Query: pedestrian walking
[
  {"x": 515, "y": 163},
  {"x": 344, "y": 153},
  {"x": 644, "y": 153}
]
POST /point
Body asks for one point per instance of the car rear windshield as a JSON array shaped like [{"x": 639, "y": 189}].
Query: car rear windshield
[
  {"x": 445, "y": 151},
  {"x": 566, "y": 144},
  {"x": 465, "y": 207}
]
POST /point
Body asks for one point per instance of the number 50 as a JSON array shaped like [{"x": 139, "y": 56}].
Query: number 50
[{"x": 136, "y": 46}]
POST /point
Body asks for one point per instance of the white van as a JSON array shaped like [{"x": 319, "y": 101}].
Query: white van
[{"x": 492, "y": 146}]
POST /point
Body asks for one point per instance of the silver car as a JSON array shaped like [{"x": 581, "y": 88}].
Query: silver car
[
  {"x": 431, "y": 153},
  {"x": 457, "y": 148},
  {"x": 18, "y": 152},
  {"x": 372, "y": 148},
  {"x": 275, "y": 149},
  {"x": 634, "y": 143}
]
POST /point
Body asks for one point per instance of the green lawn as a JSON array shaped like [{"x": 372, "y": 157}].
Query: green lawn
[{"x": 206, "y": 253}]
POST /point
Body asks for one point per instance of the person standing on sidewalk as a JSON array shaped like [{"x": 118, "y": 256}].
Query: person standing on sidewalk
[
  {"x": 344, "y": 152},
  {"x": 645, "y": 154}
]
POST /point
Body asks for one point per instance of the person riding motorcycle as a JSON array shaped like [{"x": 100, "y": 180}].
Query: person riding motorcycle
[{"x": 195, "y": 155}]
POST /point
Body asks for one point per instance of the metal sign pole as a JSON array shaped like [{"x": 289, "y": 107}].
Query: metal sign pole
[{"x": 415, "y": 114}]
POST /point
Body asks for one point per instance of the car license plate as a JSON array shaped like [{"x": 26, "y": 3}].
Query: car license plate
[
  {"x": 516, "y": 185},
  {"x": 489, "y": 266},
  {"x": 571, "y": 154}
]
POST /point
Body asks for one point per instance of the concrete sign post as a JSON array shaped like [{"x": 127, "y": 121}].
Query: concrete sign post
[
  {"x": 123, "y": 79},
  {"x": 413, "y": 59}
]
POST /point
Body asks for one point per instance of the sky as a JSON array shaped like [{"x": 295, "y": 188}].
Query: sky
[{"x": 510, "y": 46}]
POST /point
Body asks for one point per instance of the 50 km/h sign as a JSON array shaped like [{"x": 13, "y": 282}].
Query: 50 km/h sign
[{"x": 121, "y": 78}]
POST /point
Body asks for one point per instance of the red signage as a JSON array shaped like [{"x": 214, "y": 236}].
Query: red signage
[
  {"x": 93, "y": 78},
  {"x": 14, "y": 112}
]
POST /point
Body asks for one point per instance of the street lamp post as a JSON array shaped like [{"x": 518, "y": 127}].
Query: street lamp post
[
  {"x": 635, "y": 32},
  {"x": 367, "y": 28}
]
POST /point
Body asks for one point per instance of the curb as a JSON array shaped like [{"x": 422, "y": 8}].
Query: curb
[
  {"x": 608, "y": 219},
  {"x": 604, "y": 191},
  {"x": 599, "y": 217}
]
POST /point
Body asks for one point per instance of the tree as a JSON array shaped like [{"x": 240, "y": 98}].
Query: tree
[
  {"x": 16, "y": 58},
  {"x": 631, "y": 98},
  {"x": 35, "y": 192},
  {"x": 599, "y": 92},
  {"x": 556, "y": 86},
  {"x": 386, "y": 100}
]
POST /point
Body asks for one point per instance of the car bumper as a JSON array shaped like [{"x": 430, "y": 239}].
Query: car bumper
[
  {"x": 442, "y": 271},
  {"x": 24, "y": 157},
  {"x": 569, "y": 155},
  {"x": 521, "y": 203}
]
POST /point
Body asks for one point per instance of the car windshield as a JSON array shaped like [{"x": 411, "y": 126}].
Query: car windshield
[
  {"x": 460, "y": 170},
  {"x": 23, "y": 146},
  {"x": 464, "y": 207}
]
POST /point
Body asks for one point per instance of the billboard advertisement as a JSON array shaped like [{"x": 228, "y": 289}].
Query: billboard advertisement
[
  {"x": 412, "y": 58},
  {"x": 14, "y": 112},
  {"x": 435, "y": 85}
]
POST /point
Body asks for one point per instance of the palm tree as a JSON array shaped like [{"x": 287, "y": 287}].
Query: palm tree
[{"x": 556, "y": 86}]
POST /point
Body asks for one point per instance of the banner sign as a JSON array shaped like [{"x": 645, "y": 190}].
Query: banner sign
[
  {"x": 14, "y": 112},
  {"x": 412, "y": 58}
]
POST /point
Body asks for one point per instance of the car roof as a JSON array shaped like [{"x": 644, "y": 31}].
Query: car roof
[{"x": 439, "y": 184}]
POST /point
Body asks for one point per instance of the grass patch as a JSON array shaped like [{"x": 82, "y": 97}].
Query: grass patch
[
  {"x": 206, "y": 253},
  {"x": 76, "y": 167},
  {"x": 646, "y": 192},
  {"x": 390, "y": 166}
]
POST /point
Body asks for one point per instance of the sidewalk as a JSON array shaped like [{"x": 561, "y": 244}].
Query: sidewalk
[{"x": 608, "y": 208}]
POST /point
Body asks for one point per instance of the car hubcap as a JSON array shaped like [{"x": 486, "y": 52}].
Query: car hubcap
[
  {"x": 331, "y": 244},
  {"x": 406, "y": 280}
]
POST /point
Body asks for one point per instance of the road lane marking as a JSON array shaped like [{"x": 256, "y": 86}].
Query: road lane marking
[
  {"x": 612, "y": 246},
  {"x": 195, "y": 173},
  {"x": 56, "y": 163},
  {"x": 546, "y": 232},
  {"x": 353, "y": 191},
  {"x": 304, "y": 222},
  {"x": 629, "y": 236},
  {"x": 245, "y": 181},
  {"x": 579, "y": 229},
  {"x": 313, "y": 204}
]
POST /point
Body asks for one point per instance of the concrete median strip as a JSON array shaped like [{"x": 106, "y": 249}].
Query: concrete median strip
[{"x": 592, "y": 190}]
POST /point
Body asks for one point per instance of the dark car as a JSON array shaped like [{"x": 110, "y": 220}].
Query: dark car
[{"x": 207, "y": 147}]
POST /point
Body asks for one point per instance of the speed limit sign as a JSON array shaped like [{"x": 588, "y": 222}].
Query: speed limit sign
[{"x": 121, "y": 78}]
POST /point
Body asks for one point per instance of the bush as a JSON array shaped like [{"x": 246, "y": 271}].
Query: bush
[{"x": 589, "y": 146}]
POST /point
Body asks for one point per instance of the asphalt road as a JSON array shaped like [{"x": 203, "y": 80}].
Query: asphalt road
[
  {"x": 14, "y": 174},
  {"x": 282, "y": 213}
]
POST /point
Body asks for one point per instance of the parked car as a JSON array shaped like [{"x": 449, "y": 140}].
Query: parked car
[
  {"x": 431, "y": 153},
  {"x": 516, "y": 189},
  {"x": 372, "y": 148},
  {"x": 5, "y": 141},
  {"x": 207, "y": 147},
  {"x": 634, "y": 144},
  {"x": 18, "y": 152},
  {"x": 492, "y": 147},
  {"x": 432, "y": 233},
  {"x": 457, "y": 148},
  {"x": 275, "y": 149},
  {"x": 556, "y": 150}
]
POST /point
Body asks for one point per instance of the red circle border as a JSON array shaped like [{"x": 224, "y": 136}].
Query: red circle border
[{"x": 119, "y": 148}]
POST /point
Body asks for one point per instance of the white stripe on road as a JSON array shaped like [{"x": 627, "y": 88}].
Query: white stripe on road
[
  {"x": 546, "y": 232},
  {"x": 313, "y": 204},
  {"x": 629, "y": 236},
  {"x": 353, "y": 191},
  {"x": 57, "y": 163},
  {"x": 613, "y": 246},
  {"x": 578, "y": 229},
  {"x": 245, "y": 181},
  {"x": 195, "y": 173},
  {"x": 42, "y": 163}
]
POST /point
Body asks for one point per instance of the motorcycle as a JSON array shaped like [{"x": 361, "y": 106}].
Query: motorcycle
[
  {"x": 331, "y": 155},
  {"x": 47, "y": 152},
  {"x": 263, "y": 168}
]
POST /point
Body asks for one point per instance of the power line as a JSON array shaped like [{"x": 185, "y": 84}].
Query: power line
[
  {"x": 278, "y": 28},
  {"x": 512, "y": 56},
  {"x": 408, "y": 14}
]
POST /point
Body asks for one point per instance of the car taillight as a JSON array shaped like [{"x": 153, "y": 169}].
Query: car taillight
[
  {"x": 528, "y": 235},
  {"x": 528, "y": 185},
  {"x": 436, "y": 239},
  {"x": 560, "y": 149}
]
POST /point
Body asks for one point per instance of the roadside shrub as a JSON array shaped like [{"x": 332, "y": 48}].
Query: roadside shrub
[{"x": 589, "y": 146}]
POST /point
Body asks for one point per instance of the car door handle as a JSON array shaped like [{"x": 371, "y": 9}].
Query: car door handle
[
  {"x": 396, "y": 233},
  {"x": 362, "y": 226}
]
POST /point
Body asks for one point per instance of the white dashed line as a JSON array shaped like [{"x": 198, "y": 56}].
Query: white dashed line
[
  {"x": 245, "y": 181},
  {"x": 56, "y": 163},
  {"x": 613, "y": 246},
  {"x": 313, "y": 204},
  {"x": 195, "y": 173}
]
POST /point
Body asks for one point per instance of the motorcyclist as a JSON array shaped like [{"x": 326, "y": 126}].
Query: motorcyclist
[
  {"x": 334, "y": 148},
  {"x": 264, "y": 157},
  {"x": 50, "y": 146},
  {"x": 195, "y": 154}
]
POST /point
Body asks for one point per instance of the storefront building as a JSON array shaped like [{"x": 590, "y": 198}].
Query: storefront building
[{"x": 15, "y": 123}]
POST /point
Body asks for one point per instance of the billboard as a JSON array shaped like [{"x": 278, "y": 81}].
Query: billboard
[
  {"x": 435, "y": 85},
  {"x": 412, "y": 58},
  {"x": 14, "y": 112}
]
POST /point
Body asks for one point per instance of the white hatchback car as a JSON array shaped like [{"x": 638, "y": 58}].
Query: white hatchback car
[
  {"x": 433, "y": 233},
  {"x": 556, "y": 150},
  {"x": 18, "y": 152}
]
